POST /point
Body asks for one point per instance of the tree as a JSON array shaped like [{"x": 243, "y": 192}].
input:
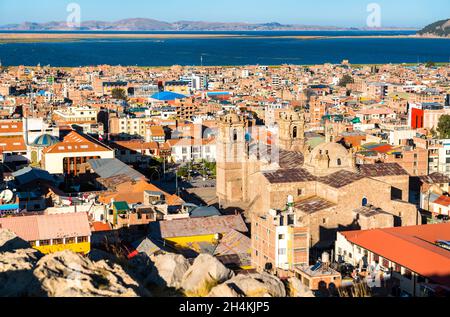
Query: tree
[
  {"x": 430, "y": 64},
  {"x": 444, "y": 127},
  {"x": 345, "y": 80},
  {"x": 118, "y": 93}
]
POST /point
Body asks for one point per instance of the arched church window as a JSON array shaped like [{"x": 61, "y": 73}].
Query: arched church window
[
  {"x": 294, "y": 133},
  {"x": 339, "y": 162},
  {"x": 365, "y": 202},
  {"x": 235, "y": 135}
]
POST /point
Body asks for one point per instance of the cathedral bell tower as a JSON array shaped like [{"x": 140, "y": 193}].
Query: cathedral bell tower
[
  {"x": 291, "y": 131},
  {"x": 231, "y": 158}
]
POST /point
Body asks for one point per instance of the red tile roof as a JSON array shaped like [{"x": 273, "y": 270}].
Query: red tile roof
[
  {"x": 411, "y": 247},
  {"x": 443, "y": 200},
  {"x": 100, "y": 226}
]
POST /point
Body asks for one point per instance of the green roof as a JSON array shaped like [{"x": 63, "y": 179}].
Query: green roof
[{"x": 121, "y": 206}]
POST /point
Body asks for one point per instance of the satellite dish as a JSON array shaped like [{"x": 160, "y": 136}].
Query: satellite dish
[{"x": 7, "y": 195}]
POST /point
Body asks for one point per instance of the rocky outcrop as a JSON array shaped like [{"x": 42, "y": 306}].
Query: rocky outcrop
[
  {"x": 205, "y": 273},
  {"x": 26, "y": 272},
  {"x": 168, "y": 270},
  {"x": 298, "y": 289},
  {"x": 11, "y": 242},
  {"x": 252, "y": 285},
  {"x": 66, "y": 274},
  {"x": 17, "y": 261}
]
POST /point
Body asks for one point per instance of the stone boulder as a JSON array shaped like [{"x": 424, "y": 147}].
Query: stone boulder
[
  {"x": 16, "y": 273},
  {"x": 298, "y": 289},
  {"x": 169, "y": 270},
  {"x": 67, "y": 274},
  {"x": 205, "y": 273},
  {"x": 252, "y": 285},
  {"x": 17, "y": 261},
  {"x": 9, "y": 241}
]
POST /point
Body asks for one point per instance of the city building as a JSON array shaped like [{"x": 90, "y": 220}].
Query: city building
[{"x": 52, "y": 233}]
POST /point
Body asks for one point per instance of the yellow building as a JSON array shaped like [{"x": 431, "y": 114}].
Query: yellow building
[
  {"x": 203, "y": 234},
  {"x": 52, "y": 233}
]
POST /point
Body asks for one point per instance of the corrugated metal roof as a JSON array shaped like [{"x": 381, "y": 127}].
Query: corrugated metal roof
[
  {"x": 197, "y": 226},
  {"x": 45, "y": 227},
  {"x": 107, "y": 168}
]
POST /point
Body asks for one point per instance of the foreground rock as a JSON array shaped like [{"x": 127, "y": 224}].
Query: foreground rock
[
  {"x": 298, "y": 289},
  {"x": 66, "y": 274},
  {"x": 169, "y": 270},
  {"x": 16, "y": 273},
  {"x": 252, "y": 285},
  {"x": 205, "y": 273},
  {"x": 9, "y": 241}
]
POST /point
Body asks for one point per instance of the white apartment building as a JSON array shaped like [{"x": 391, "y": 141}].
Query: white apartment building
[{"x": 188, "y": 150}]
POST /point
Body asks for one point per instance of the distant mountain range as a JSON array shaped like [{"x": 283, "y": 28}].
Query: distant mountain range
[
  {"x": 142, "y": 24},
  {"x": 440, "y": 28}
]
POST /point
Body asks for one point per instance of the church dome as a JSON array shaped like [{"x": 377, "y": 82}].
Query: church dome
[
  {"x": 329, "y": 157},
  {"x": 45, "y": 140}
]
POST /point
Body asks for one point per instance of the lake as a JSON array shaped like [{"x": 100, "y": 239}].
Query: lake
[{"x": 252, "y": 48}]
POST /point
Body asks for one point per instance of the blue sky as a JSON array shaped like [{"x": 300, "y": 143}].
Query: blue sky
[{"x": 402, "y": 13}]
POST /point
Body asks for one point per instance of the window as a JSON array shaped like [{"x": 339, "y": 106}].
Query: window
[
  {"x": 57, "y": 241},
  {"x": 235, "y": 135},
  {"x": 70, "y": 240},
  {"x": 339, "y": 162},
  {"x": 421, "y": 279},
  {"x": 295, "y": 133},
  {"x": 82, "y": 239},
  {"x": 282, "y": 251},
  {"x": 44, "y": 242},
  {"x": 300, "y": 192},
  {"x": 33, "y": 243},
  {"x": 281, "y": 236},
  {"x": 324, "y": 221},
  {"x": 407, "y": 274},
  {"x": 365, "y": 202}
]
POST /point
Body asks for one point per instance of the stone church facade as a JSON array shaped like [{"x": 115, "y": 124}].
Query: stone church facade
[{"x": 330, "y": 191}]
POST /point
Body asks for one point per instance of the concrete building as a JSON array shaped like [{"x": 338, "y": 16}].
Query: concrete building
[
  {"x": 70, "y": 156},
  {"x": 279, "y": 244}
]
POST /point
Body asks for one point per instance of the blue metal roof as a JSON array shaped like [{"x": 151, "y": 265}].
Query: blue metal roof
[
  {"x": 45, "y": 140},
  {"x": 167, "y": 96},
  {"x": 9, "y": 207}
]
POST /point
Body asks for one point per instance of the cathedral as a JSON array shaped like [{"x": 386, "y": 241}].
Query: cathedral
[{"x": 331, "y": 193}]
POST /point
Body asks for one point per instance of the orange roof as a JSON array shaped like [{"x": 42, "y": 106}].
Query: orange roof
[
  {"x": 100, "y": 226},
  {"x": 383, "y": 148},
  {"x": 11, "y": 126},
  {"x": 411, "y": 247},
  {"x": 156, "y": 130},
  {"x": 75, "y": 142},
  {"x": 46, "y": 227},
  {"x": 12, "y": 144},
  {"x": 443, "y": 200},
  {"x": 136, "y": 145},
  {"x": 134, "y": 193}
]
